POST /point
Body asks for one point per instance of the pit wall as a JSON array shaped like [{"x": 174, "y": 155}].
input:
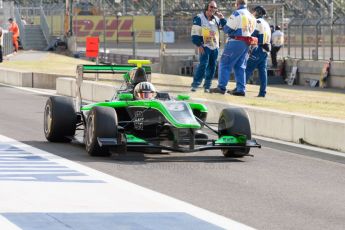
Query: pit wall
[{"x": 309, "y": 69}]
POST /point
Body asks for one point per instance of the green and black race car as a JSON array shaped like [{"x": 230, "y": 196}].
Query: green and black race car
[{"x": 131, "y": 122}]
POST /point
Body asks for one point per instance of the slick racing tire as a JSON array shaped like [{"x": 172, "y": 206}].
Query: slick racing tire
[
  {"x": 101, "y": 122},
  {"x": 234, "y": 121},
  {"x": 60, "y": 119}
]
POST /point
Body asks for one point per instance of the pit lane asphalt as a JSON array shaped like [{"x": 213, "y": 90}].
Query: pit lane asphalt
[{"x": 280, "y": 188}]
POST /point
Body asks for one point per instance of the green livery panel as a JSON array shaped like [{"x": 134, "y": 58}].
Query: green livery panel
[
  {"x": 131, "y": 139},
  {"x": 231, "y": 140},
  {"x": 198, "y": 106},
  {"x": 178, "y": 113}
]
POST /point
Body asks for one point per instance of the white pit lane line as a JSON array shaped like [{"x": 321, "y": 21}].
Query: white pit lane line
[
  {"x": 35, "y": 182},
  {"x": 6, "y": 224}
]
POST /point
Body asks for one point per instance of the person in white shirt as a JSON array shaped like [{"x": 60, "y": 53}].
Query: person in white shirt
[
  {"x": 277, "y": 43},
  {"x": 23, "y": 21}
]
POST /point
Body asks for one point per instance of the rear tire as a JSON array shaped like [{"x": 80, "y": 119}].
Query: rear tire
[
  {"x": 234, "y": 121},
  {"x": 60, "y": 119},
  {"x": 101, "y": 122}
]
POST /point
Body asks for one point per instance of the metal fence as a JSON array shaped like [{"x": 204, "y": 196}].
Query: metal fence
[
  {"x": 316, "y": 39},
  {"x": 339, "y": 39},
  {"x": 49, "y": 17},
  {"x": 7, "y": 44},
  {"x": 45, "y": 26}
]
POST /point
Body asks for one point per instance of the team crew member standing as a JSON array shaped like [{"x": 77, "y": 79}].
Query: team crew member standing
[
  {"x": 277, "y": 43},
  {"x": 15, "y": 33},
  {"x": 239, "y": 27},
  {"x": 205, "y": 35},
  {"x": 259, "y": 55}
]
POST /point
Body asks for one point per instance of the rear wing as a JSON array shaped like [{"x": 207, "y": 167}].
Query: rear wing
[
  {"x": 111, "y": 69},
  {"x": 107, "y": 69}
]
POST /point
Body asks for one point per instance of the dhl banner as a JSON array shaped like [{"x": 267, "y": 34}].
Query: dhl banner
[{"x": 85, "y": 26}]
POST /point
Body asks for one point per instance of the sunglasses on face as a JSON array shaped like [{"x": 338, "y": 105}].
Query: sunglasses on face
[{"x": 213, "y": 7}]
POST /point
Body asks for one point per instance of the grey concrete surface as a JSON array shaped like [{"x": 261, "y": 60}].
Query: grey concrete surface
[
  {"x": 276, "y": 189},
  {"x": 29, "y": 79},
  {"x": 17, "y": 78},
  {"x": 27, "y": 55}
]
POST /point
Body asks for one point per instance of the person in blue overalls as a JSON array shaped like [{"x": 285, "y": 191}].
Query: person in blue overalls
[
  {"x": 259, "y": 55},
  {"x": 239, "y": 28},
  {"x": 205, "y": 35}
]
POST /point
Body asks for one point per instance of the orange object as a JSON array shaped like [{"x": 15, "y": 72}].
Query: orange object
[
  {"x": 15, "y": 30},
  {"x": 92, "y": 46}
]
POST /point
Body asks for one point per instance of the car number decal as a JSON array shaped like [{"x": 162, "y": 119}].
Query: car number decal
[
  {"x": 139, "y": 120},
  {"x": 176, "y": 107}
]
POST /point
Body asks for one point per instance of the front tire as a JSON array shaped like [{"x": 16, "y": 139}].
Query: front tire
[
  {"x": 60, "y": 119},
  {"x": 234, "y": 121},
  {"x": 101, "y": 122}
]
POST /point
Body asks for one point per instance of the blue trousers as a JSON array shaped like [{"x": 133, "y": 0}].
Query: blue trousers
[
  {"x": 258, "y": 59},
  {"x": 206, "y": 68},
  {"x": 235, "y": 57}
]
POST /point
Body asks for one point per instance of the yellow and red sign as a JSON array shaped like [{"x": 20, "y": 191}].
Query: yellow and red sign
[{"x": 116, "y": 28}]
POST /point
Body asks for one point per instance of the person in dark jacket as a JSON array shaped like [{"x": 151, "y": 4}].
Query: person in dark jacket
[{"x": 259, "y": 55}]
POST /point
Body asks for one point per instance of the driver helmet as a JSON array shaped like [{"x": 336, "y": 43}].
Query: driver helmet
[
  {"x": 144, "y": 91},
  {"x": 138, "y": 75}
]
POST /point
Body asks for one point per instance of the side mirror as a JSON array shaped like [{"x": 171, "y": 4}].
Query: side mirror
[
  {"x": 182, "y": 97},
  {"x": 125, "y": 97}
]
